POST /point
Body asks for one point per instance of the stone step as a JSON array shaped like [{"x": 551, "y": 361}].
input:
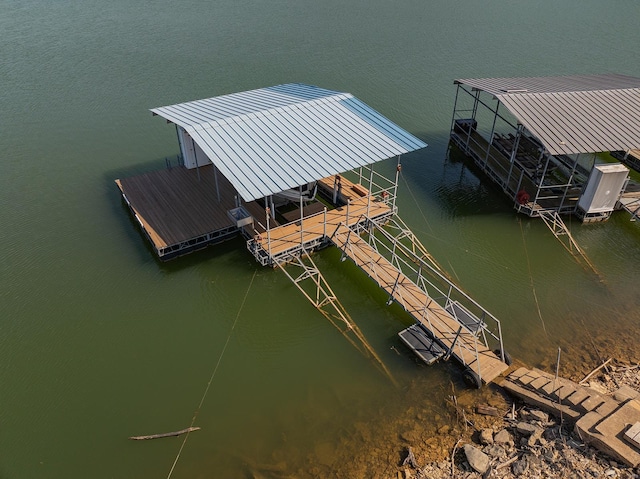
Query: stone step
[
  {"x": 613, "y": 445},
  {"x": 532, "y": 397},
  {"x": 600, "y": 420},
  {"x": 616, "y": 423},
  {"x": 592, "y": 402},
  {"x": 577, "y": 397}
]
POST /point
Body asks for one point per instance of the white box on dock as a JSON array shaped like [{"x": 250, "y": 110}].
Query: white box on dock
[{"x": 603, "y": 188}]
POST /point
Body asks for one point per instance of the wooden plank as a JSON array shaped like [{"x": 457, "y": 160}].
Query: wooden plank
[
  {"x": 417, "y": 303},
  {"x": 177, "y": 205},
  {"x": 287, "y": 237}
]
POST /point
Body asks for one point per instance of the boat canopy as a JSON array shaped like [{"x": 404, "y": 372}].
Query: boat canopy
[
  {"x": 276, "y": 138},
  {"x": 572, "y": 114}
]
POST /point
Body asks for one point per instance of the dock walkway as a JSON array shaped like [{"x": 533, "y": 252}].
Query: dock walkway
[
  {"x": 341, "y": 227},
  {"x": 449, "y": 332}
]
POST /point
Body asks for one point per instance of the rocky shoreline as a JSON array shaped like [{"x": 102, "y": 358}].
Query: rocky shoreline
[{"x": 525, "y": 442}]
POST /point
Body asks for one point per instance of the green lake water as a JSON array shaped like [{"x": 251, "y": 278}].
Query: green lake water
[{"x": 99, "y": 341}]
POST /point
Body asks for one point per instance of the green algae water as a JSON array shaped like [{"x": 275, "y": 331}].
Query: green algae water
[{"x": 99, "y": 341}]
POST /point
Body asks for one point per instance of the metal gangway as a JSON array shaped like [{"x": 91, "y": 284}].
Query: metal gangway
[
  {"x": 460, "y": 328},
  {"x": 369, "y": 233}
]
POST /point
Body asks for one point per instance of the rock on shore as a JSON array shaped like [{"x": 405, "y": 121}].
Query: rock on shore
[{"x": 528, "y": 443}]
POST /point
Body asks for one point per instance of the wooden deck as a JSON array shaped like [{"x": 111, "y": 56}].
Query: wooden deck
[
  {"x": 339, "y": 226},
  {"x": 178, "y": 208},
  {"x": 315, "y": 229},
  {"x": 468, "y": 349}
]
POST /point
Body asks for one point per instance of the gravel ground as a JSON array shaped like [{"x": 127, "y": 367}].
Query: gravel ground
[{"x": 527, "y": 443}]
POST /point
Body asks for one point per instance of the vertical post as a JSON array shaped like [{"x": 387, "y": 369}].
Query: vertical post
[
  {"x": 512, "y": 158},
  {"x": 268, "y": 213},
  {"x": 215, "y": 176},
  {"x": 536, "y": 180},
  {"x": 301, "y": 218},
  {"x": 544, "y": 172},
  {"x": 476, "y": 99},
  {"x": 370, "y": 192},
  {"x": 395, "y": 186},
  {"x": 360, "y": 176},
  {"x": 393, "y": 290},
  {"x": 346, "y": 245},
  {"x": 515, "y": 196},
  {"x": 453, "y": 343},
  {"x": 569, "y": 183},
  {"x": 195, "y": 155},
  {"x": 455, "y": 106},
  {"x": 180, "y": 145},
  {"x": 347, "y": 220},
  {"x": 516, "y": 143},
  {"x": 493, "y": 129},
  {"x": 324, "y": 224}
]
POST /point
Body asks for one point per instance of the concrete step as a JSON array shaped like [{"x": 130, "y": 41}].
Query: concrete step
[
  {"x": 606, "y": 433},
  {"x": 532, "y": 397},
  {"x": 600, "y": 420}
]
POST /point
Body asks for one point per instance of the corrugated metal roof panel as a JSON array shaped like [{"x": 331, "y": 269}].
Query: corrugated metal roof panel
[
  {"x": 272, "y": 139},
  {"x": 557, "y": 84},
  {"x": 572, "y": 114}
]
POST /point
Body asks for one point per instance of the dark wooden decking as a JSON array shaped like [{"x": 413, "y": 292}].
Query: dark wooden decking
[
  {"x": 179, "y": 206},
  {"x": 522, "y": 174}
]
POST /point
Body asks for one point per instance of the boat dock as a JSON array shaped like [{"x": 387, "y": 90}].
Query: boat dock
[
  {"x": 539, "y": 138},
  {"x": 291, "y": 168}
]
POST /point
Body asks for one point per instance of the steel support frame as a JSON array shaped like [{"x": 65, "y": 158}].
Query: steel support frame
[
  {"x": 419, "y": 268},
  {"x": 312, "y": 284}
]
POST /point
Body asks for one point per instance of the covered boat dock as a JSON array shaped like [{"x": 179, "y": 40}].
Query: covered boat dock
[
  {"x": 291, "y": 168},
  {"x": 539, "y": 139}
]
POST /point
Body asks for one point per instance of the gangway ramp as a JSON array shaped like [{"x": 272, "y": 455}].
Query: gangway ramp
[
  {"x": 369, "y": 232},
  {"x": 467, "y": 346}
]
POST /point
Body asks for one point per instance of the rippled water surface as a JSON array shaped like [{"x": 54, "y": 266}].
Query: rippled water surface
[{"x": 99, "y": 341}]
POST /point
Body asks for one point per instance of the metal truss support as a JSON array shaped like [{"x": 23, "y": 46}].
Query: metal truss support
[
  {"x": 559, "y": 229},
  {"x": 306, "y": 276},
  {"x": 402, "y": 238}
]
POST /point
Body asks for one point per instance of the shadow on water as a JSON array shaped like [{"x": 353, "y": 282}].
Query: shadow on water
[
  {"x": 443, "y": 174},
  {"x": 464, "y": 191}
]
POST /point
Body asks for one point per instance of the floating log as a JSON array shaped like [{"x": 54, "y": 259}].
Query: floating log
[{"x": 166, "y": 434}]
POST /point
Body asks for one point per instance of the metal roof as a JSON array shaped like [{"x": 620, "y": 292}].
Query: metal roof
[
  {"x": 268, "y": 140},
  {"x": 572, "y": 114}
]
